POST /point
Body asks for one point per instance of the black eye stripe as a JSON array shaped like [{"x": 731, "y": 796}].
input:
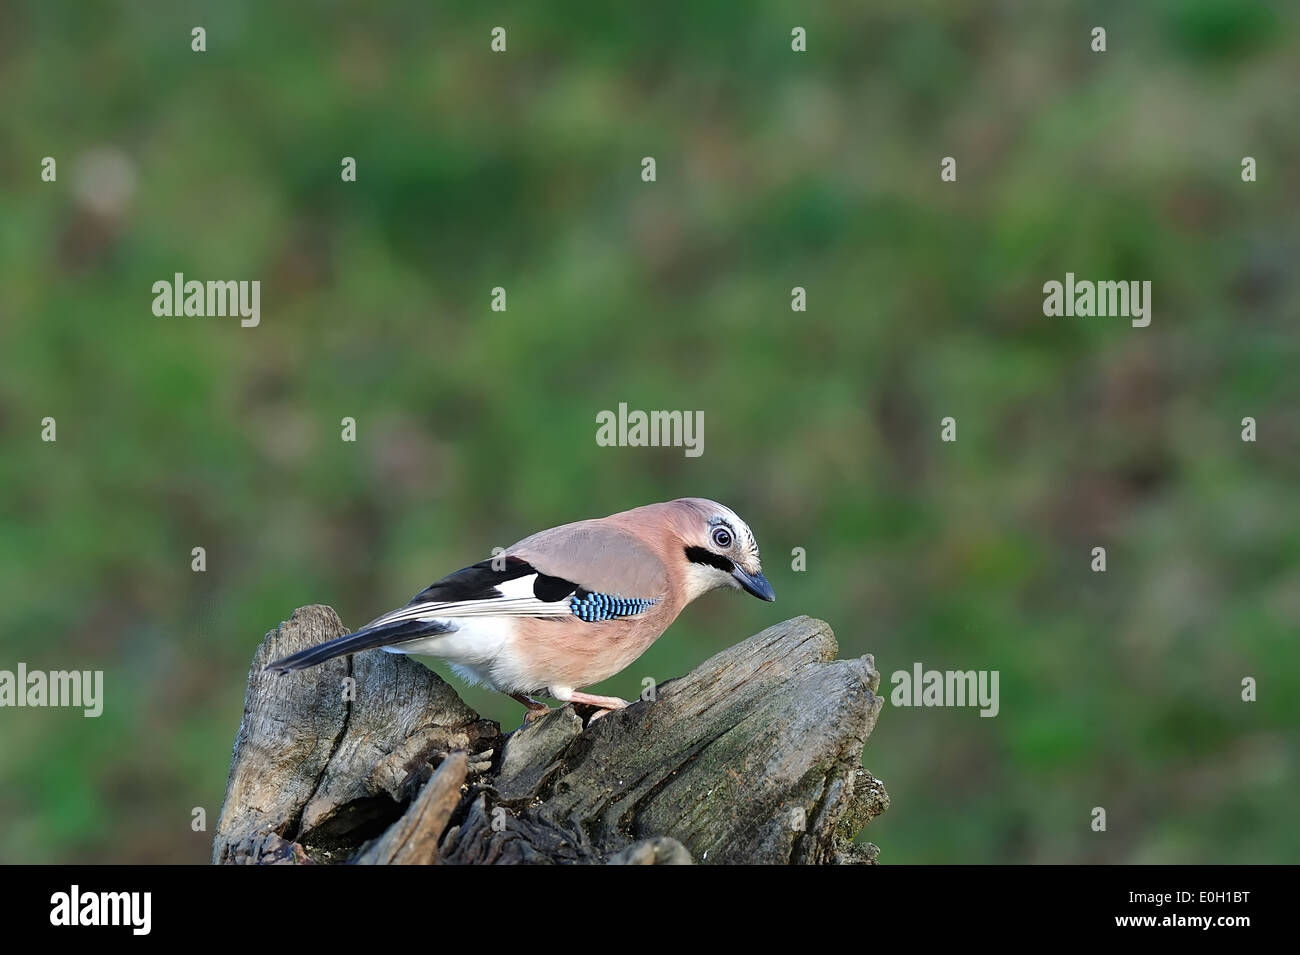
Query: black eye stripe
[{"x": 701, "y": 555}]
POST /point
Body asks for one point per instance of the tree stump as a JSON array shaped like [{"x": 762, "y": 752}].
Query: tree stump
[{"x": 753, "y": 757}]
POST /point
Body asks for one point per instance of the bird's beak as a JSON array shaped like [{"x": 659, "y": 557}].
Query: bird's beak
[{"x": 755, "y": 584}]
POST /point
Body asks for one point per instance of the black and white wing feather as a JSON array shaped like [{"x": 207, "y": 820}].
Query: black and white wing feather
[{"x": 501, "y": 586}]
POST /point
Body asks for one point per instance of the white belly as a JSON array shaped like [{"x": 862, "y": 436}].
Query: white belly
[{"x": 479, "y": 651}]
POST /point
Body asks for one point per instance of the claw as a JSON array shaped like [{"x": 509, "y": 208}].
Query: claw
[{"x": 534, "y": 712}]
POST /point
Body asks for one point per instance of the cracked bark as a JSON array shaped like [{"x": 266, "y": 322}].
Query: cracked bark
[{"x": 753, "y": 757}]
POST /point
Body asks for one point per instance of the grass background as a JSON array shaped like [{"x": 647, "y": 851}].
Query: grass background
[{"x": 476, "y": 427}]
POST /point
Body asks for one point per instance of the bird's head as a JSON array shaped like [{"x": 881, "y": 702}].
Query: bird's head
[{"x": 718, "y": 550}]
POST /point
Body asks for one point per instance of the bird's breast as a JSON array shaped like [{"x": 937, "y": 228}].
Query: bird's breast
[{"x": 578, "y": 653}]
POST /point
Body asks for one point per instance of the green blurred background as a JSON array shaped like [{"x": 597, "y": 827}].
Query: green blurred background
[{"x": 476, "y": 428}]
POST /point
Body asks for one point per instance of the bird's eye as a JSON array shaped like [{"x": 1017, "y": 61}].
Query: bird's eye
[{"x": 722, "y": 537}]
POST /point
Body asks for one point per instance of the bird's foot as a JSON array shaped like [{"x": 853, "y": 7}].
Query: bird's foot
[
  {"x": 534, "y": 714},
  {"x": 535, "y": 711},
  {"x": 604, "y": 704}
]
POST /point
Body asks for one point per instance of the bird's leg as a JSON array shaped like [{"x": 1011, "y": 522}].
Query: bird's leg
[{"x": 536, "y": 709}]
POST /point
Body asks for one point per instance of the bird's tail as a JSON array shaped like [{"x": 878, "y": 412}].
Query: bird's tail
[{"x": 364, "y": 639}]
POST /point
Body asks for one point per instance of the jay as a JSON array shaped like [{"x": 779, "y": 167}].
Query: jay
[{"x": 567, "y": 607}]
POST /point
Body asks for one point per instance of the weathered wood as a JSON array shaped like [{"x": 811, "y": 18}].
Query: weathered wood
[
  {"x": 413, "y": 839},
  {"x": 754, "y": 757},
  {"x": 326, "y": 772}
]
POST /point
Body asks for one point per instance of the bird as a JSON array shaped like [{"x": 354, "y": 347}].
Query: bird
[{"x": 567, "y": 607}]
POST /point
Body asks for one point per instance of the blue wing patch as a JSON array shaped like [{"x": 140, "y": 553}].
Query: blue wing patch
[{"x": 593, "y": 608}]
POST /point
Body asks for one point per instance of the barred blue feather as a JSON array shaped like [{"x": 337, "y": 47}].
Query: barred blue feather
[{"x": 593, "y": 608}]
